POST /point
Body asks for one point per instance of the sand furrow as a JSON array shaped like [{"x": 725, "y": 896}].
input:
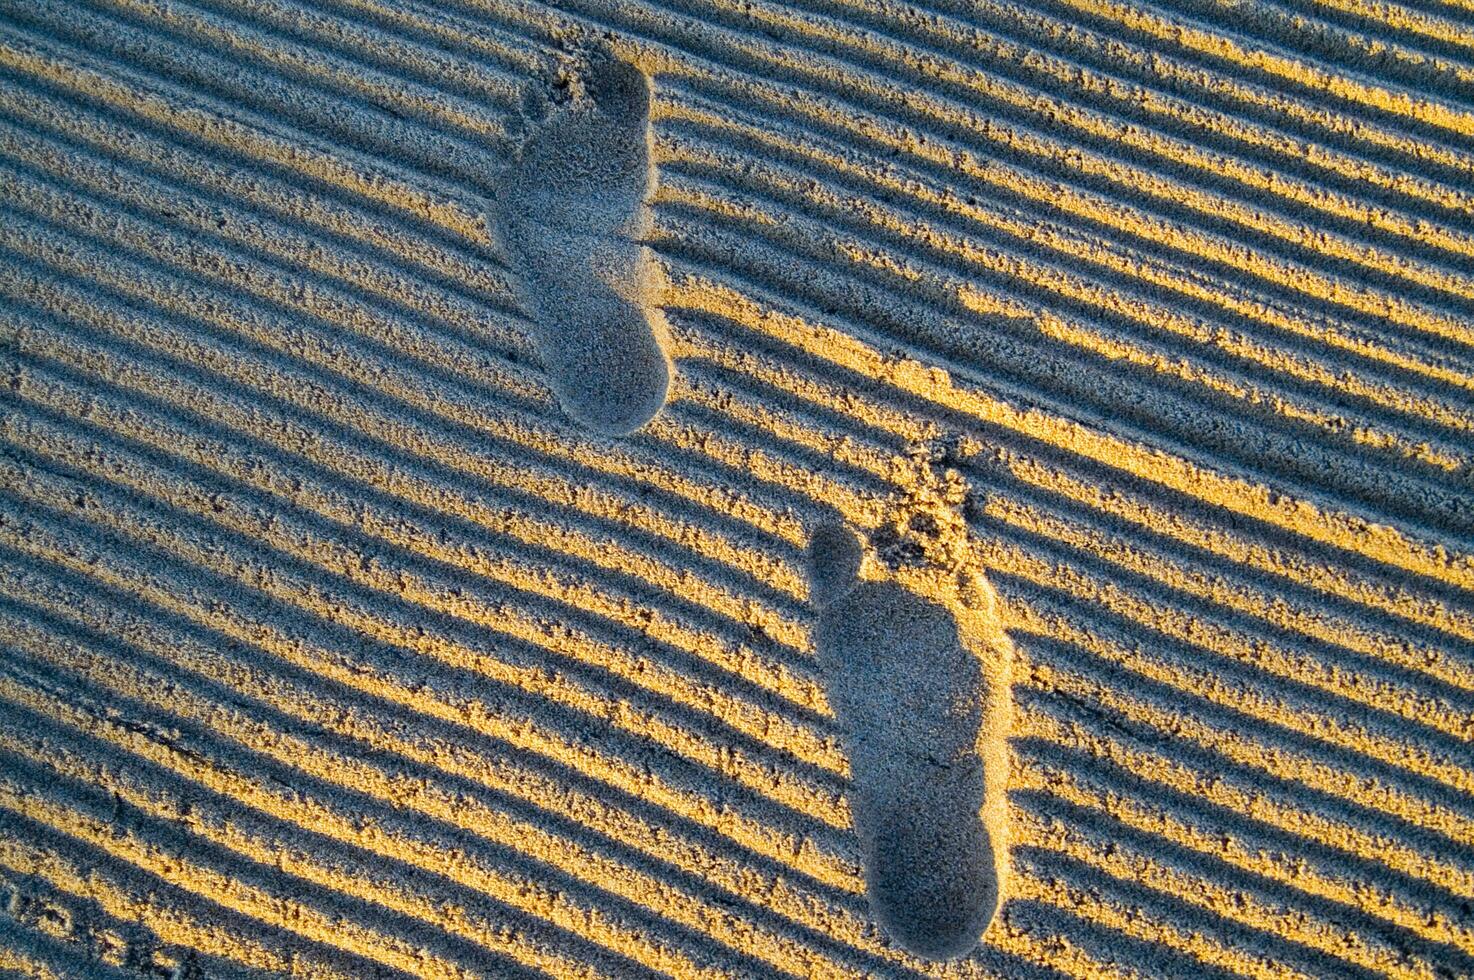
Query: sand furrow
[
  {"x": 1030, "y": 45},
  {"x": 158, "y": 103},
  {"x": 437, "y": 441},
  {"x": 881, "y": 53},
  {"x": 222, "y": 178},
  {"x": 1310, "y": 876},
  {"x": 1039, "y": 513},
  {"x": 1177, "y": 949},
  {"x": 999, "y": 504},
  {"x": 417, "y": 689},
  {"x": 733, "y": 651},
  {"x": 1001, "y": 466},
  {"x": 954, "y": 115},
  {"x": 772, "y": 247},
  {"x": 492, "y": 81},
  {"x": 427, "y": 156},
  {"x": 1215, "y": 727},
  {"x": 224, "y": 884},
  {"x": 1408, "y": 19},
  {"x": 1306, "y": 716},
  {"x": 1365, "y": 376},
  {"x": 552, "y": 796},
  {"x": 939, "y": 249},
  {"x": 1302, "y": 668},
  {"x": 80, "y": 937},
  {"x": 1309, "y": 700},
  {"x": 506, "y": 517},
  {"x": 224, "y": 498},
  {"x": 907, "y": 375},
  {"x": 1207, "y": 83},
  {"x": 1036, "y": 516},
  {"x": 911, "y": 145},
  {"x": 421, "y": 304},
  {"x": 476, "y": 119},
  {"x": 1427, "y": 50},
  {"x": 1274, "y": 929},
  {"x": 917, "y": 189},
  {"x": 1192, "y": 36},
  {"x": 1245, "y": 796},
  {"x": 829, "y": 114},
  {"x": 165, "y": 909}
]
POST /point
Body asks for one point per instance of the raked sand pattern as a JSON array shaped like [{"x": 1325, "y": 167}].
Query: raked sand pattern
[{"x": 335, "y": 643}]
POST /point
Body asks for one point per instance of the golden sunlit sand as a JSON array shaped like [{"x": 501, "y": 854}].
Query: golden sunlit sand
[{"x": 711, "y": 489}]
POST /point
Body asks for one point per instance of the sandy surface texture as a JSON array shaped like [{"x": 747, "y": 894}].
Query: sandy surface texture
[{"x": 736, "y": 489}]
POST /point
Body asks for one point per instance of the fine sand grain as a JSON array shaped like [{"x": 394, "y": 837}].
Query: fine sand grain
[{"x": 736, "y": 489}]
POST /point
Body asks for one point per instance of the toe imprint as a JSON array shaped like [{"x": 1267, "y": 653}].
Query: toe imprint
[
  {"x": 921, "y": 691},
  {"x": 574, "y": 213}
]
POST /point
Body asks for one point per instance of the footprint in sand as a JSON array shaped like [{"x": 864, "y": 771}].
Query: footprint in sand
[
  {"x": 920, "y": 688},
  {"x": 574, "y": 215}
]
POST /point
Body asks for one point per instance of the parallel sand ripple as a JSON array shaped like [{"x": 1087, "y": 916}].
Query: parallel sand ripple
[{"x": 338, "y": 640}]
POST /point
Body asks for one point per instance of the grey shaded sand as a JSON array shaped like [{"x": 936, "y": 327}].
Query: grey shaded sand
[
  {"x": 915, "y": 692},
  {"x": 574, "y": 215}
]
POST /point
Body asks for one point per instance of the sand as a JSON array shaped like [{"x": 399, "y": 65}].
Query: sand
[{"x": 704, "y": 489}]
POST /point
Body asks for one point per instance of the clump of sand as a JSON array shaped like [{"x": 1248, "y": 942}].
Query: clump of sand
[{"x": 924, "y": 529}]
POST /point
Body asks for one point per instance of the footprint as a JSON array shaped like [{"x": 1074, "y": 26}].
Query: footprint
[
  {"x": 920, "y": 688},
  {"x": 574, "y": 216}
]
